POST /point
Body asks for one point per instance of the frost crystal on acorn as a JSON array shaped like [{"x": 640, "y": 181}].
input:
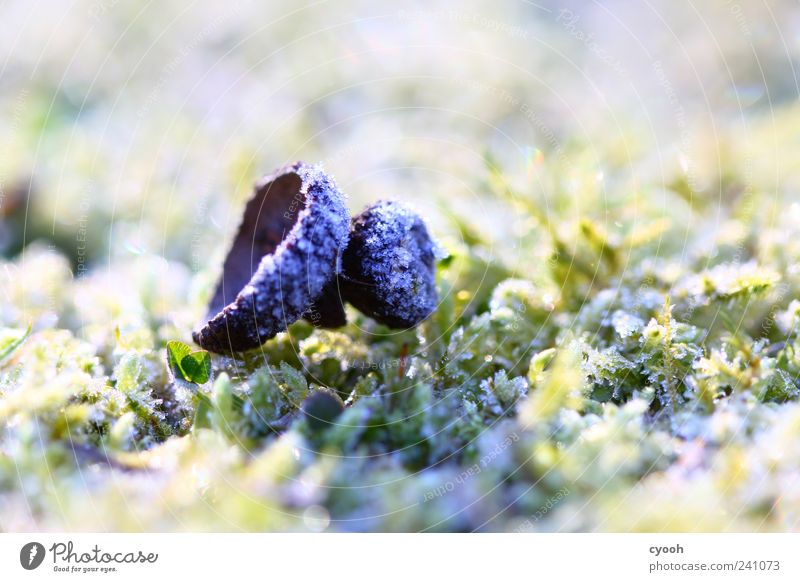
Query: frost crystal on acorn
[
  {"x": 388, "y": 268},
  {"x": 286, "y": 251}
]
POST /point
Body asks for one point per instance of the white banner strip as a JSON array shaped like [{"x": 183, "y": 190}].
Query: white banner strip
[{"x": 380, "y": 557}]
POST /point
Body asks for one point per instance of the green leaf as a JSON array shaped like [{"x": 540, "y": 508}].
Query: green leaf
[
  {"x": 197, "y": 367},
  {"x": 194, "y": 367},
  {"x": 11, "y": 340},
  {"x": 176, "y": 351}
]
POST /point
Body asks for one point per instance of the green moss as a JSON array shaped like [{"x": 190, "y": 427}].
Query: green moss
[{"x": 569, "y": 377}]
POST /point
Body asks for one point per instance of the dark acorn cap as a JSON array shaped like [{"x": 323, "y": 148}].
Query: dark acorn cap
[
  {"x": 286, "y": 251},
  {"x": 388, "y": 267}
]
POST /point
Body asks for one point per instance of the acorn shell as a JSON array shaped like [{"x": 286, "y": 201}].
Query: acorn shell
[
  {"x": 328, "y": 310},
  {"x": 389, "y": 266},
  {"x": 287, "y": 249}
]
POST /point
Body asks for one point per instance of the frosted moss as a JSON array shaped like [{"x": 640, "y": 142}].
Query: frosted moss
[{"x": 581, "y": 364}]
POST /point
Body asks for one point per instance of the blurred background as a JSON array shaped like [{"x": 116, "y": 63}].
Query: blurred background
[
  {"x": 131, "y": 128},
  {"x": 613, "y": 155}
]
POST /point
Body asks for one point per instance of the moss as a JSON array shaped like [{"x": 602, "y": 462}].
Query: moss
[{"x": 580, "y": 368}]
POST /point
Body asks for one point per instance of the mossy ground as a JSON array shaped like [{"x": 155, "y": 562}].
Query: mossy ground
[
  {"x": 614, "y": 349},
  {"x": 615, "y": 388}
]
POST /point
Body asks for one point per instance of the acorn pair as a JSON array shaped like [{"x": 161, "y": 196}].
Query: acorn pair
[{"x": 297, "y": 254}]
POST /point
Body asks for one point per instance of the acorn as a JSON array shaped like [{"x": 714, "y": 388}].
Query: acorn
[
  {"x": 286, "y": 251},
  {"x": 389, "y": 266},
  {"x": 328, "y": 310}
]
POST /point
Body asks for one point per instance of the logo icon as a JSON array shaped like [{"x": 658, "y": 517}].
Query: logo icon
[{"x": 31, "y": 555}]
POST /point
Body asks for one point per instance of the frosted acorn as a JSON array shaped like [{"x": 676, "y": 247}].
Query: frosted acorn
[
  {"x": 388, "y": 270},
  {"x": 328, "y": 310},
  {"x": 296, "y": 255},
  {"x": 286, "y": 251},
  {"x": 389, "y": 266}
]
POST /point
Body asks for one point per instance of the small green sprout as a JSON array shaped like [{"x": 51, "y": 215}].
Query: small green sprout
[{"x": 188, "y": 365}]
